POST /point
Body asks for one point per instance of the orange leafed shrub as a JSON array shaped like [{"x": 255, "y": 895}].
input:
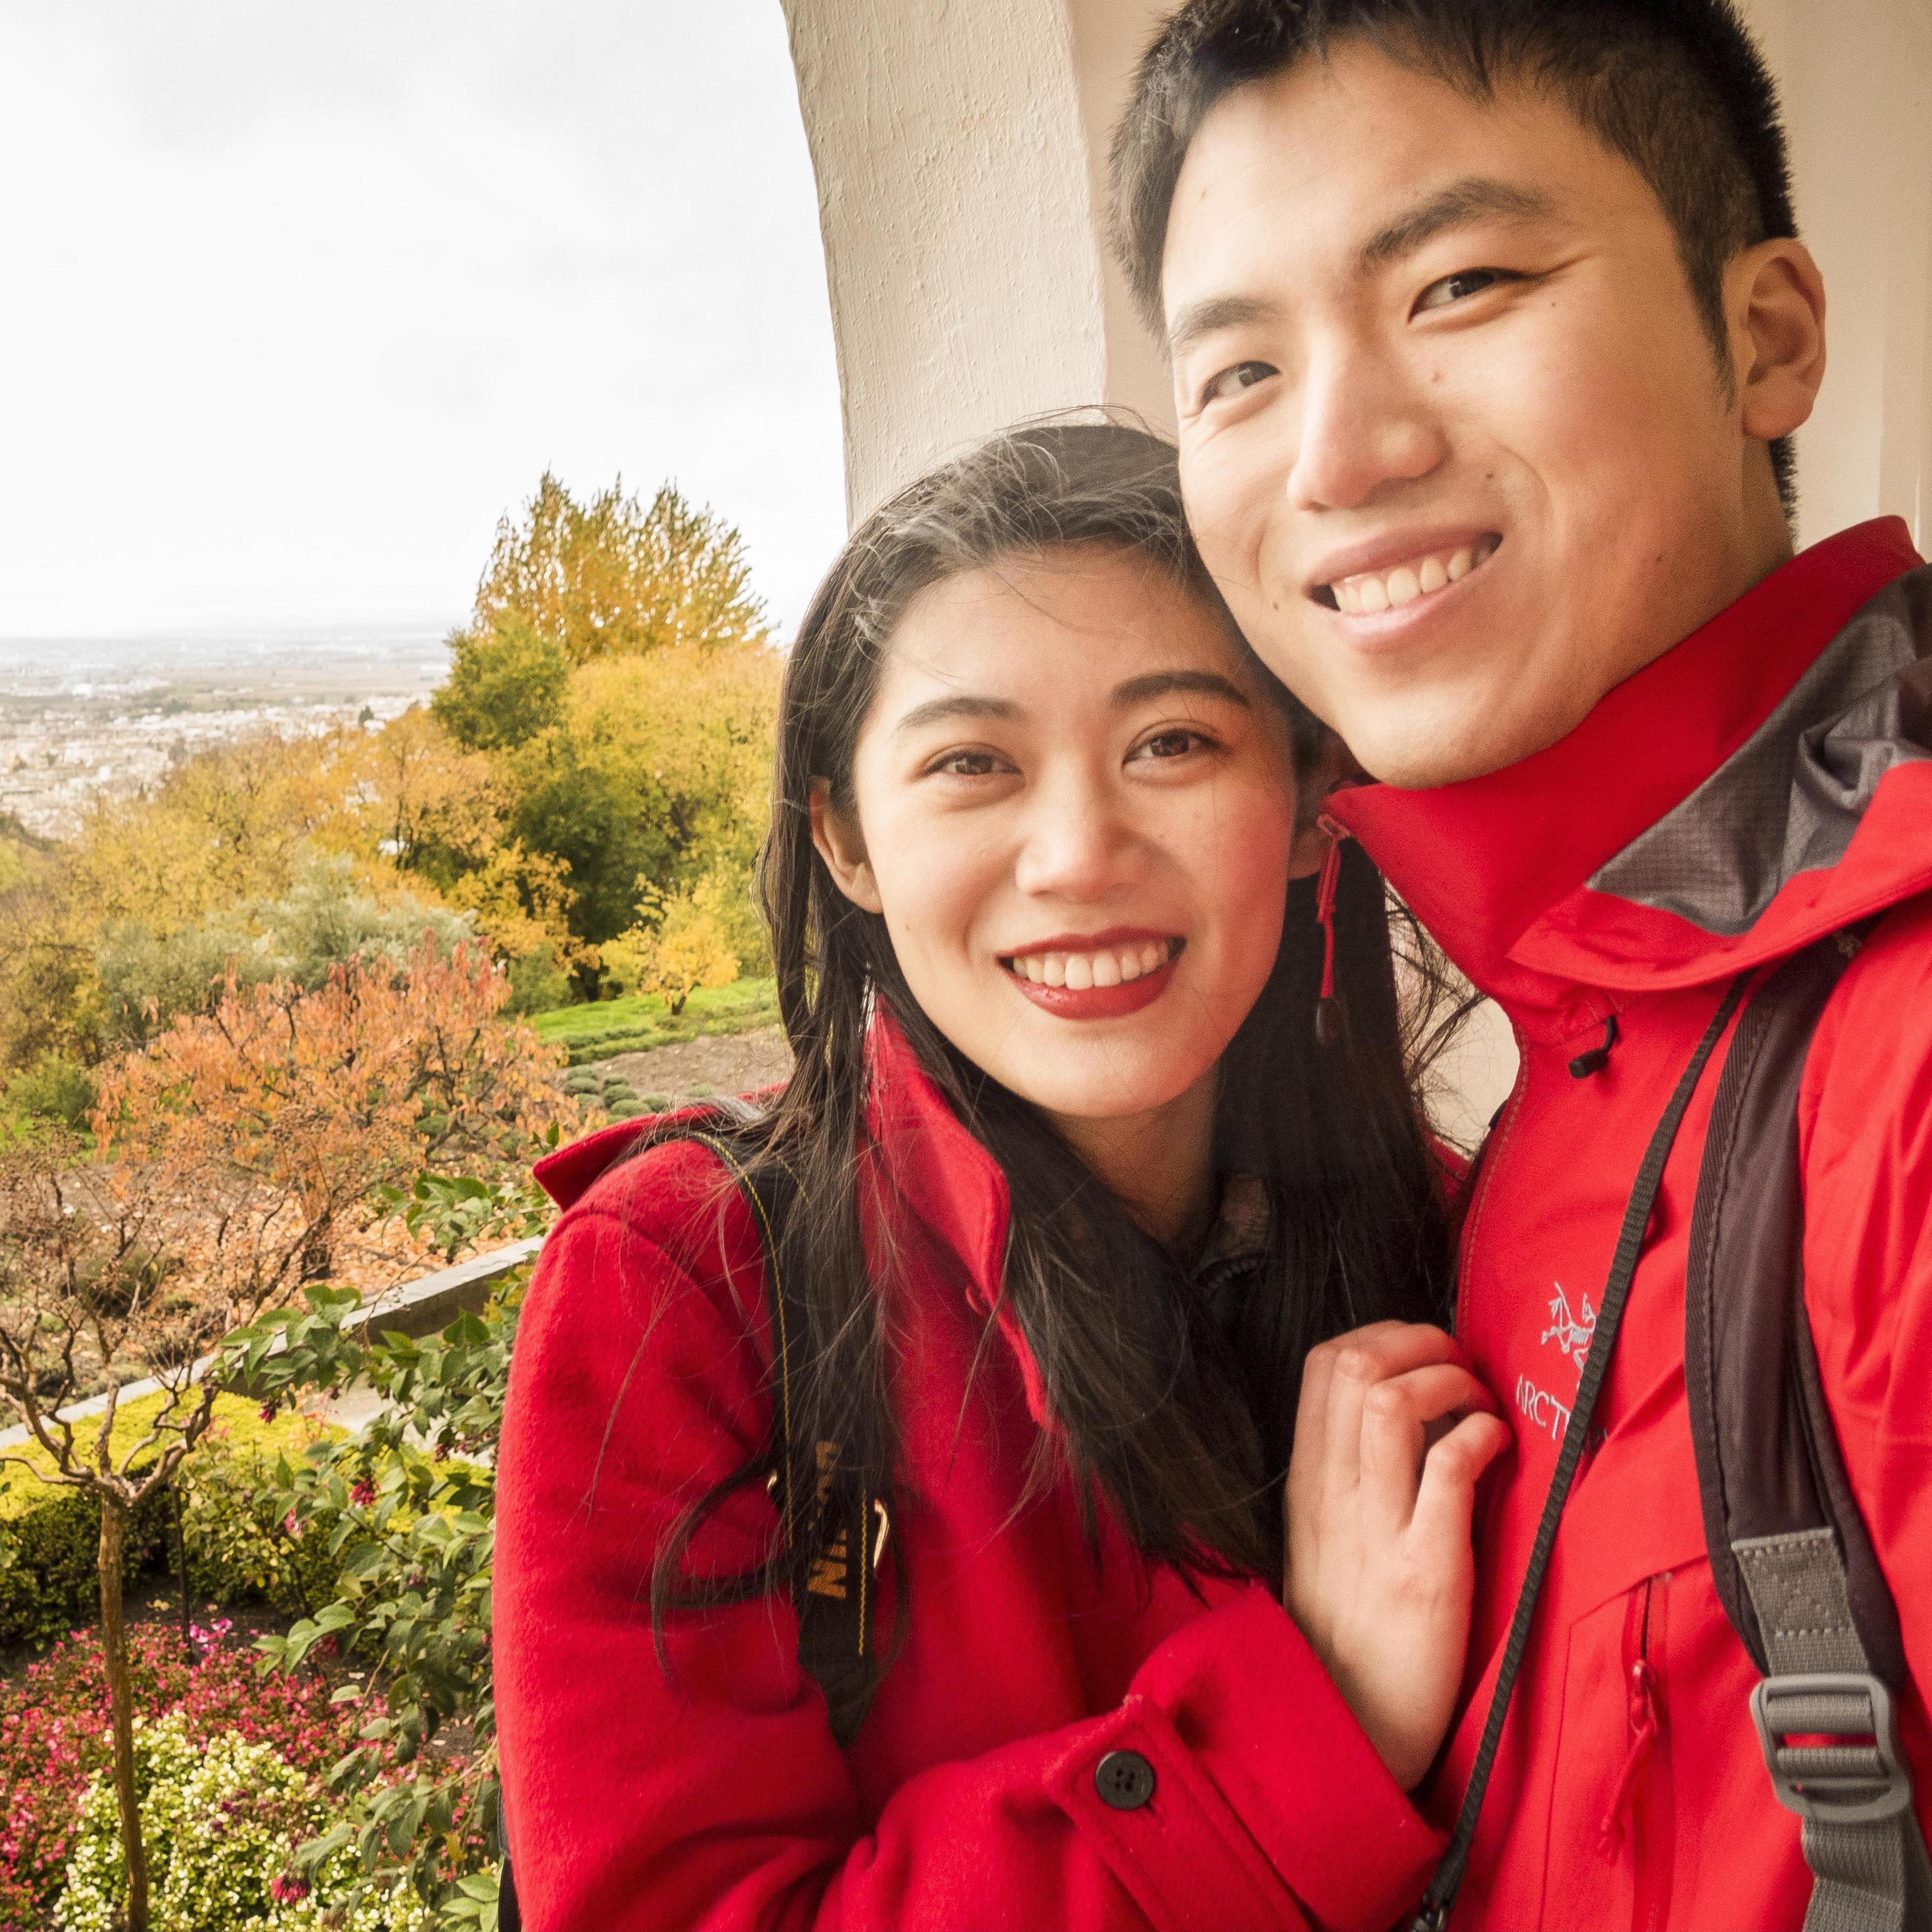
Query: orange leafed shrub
[{"x": 286, "y": 1109}]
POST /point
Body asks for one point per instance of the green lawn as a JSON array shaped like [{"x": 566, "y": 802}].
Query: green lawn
[{"x": 642, "y": 1020}]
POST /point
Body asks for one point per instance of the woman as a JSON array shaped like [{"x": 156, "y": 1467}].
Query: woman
[{"x": 946, "y": 1587}]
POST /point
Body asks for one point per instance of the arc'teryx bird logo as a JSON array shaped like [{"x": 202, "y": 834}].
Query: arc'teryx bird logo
[{"x": 1571, "y": 1334}]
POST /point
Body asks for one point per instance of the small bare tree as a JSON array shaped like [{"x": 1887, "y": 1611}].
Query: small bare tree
[{"x": 107, "y": 1278}]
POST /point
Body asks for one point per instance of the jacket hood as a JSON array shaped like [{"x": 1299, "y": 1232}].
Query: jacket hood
[
  {"x": 1765, "y": 782},
  {"x": 932, "y": 1168},
  {"x": 955, "y": 1184},
  {"x": 567, "y": 1175}
]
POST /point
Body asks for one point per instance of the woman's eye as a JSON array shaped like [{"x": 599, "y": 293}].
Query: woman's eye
[
  {"x": 968, "y": 764},
  {"x": 1458, "y": 287},
  {"x": 1231, "y": 382},
  {"x": 1171, "y": 745}
]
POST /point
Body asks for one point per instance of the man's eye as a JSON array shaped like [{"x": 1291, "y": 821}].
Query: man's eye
[
  {"x": 1231, "y": 382},
  {"x": 1458, "y": 287}
]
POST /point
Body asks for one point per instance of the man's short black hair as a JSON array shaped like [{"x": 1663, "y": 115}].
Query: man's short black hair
[{"x": 1678, "y": 87}]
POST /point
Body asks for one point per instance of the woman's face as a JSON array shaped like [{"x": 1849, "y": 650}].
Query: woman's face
[{"x": 1076, "y": 811}]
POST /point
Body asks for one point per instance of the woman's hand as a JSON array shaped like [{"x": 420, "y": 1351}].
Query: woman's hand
[{"x": 1392, "y": 1433}]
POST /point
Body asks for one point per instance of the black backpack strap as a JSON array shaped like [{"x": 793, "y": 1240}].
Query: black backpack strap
[
  {"x": 1790, "y": 1555},
  {"x": 827, "y": 1512}
]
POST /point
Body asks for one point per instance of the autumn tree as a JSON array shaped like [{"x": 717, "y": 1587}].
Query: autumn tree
[
  {"x": 419, "y": 799},
  {"x": 233, "y": 823},
  {"x": 237, "y": 1153},
  {"x": 615, "y": 576},
  {"x": 48, "y": 1005},
  {"x": 229, "y": 825},
  {"x": 682, "y": 943}
]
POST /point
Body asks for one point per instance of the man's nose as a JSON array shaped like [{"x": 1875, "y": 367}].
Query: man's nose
[
  {"x": 1079, "y": 843},
  {"x": 1363, "y": 427}
]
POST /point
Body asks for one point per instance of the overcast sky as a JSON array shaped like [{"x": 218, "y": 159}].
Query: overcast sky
[{"x": 298, "y": 296}]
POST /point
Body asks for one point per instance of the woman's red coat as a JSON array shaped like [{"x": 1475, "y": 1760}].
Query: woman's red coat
[{"x": 714, "y": 1794}]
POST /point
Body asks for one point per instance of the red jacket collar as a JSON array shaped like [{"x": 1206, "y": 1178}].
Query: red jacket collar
[
  {"x": 931, "y": 1162},
  {"x": 1486, "y": 863}
]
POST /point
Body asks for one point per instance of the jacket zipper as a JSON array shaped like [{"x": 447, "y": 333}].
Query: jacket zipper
[{"x": 1640, "y": 1804}]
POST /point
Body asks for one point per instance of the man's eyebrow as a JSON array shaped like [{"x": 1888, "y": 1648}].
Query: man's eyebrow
[
  {"x": 1164, "y": 683},
  {"x": 1215, "y": 313},
  {"x": 962, "y": 704},
  {"x": 1470, "y": 199}
]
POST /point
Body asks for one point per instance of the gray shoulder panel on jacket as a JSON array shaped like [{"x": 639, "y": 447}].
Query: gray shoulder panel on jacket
[{"x": 1788, "y": 799}]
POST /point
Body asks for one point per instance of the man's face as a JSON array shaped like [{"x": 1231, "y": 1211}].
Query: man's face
[{"x": 1453, "y": 436}]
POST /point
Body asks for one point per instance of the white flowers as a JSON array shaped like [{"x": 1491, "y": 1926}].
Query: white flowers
[{"x": 221, "y": 1819}]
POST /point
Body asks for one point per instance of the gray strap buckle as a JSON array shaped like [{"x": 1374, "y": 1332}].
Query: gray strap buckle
[{"x": 1857, "y": 1778}]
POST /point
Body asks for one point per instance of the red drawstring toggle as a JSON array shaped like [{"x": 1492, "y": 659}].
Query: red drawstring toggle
[
  {"x": 1643, "y": 1735},
  {"x": 1325, "y": 915}
]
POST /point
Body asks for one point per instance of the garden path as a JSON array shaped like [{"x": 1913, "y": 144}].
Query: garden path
[{"x": 735, "y": 1063}]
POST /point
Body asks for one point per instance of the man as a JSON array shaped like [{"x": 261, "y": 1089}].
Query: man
[{"x": 1488, "y": 328}]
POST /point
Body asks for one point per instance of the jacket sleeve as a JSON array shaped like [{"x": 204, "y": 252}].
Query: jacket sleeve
[
  {"x": 712, "y": 1794},
  {"x": 1865, "y": 1124}
]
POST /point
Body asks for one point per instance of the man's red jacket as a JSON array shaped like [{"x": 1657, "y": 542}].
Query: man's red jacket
[
  {"x": 715, "y": 1795},
  {"x": 1766, "y": 782}
]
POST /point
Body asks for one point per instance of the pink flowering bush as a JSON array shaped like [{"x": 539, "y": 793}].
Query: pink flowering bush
[{"x": 53, "y": 1737}]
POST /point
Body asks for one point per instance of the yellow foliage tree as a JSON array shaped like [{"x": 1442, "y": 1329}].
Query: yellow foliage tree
[
  {"x": 416, "y": 800},
  {"x": 416, "y": 797},
  {"x": 684, "y": 944},
  {"x": 231, "y": 824},
  {"x": 699, "y": 722},
  {"x": 614, "y": 577},
  {"x": 699, "y": 725}
]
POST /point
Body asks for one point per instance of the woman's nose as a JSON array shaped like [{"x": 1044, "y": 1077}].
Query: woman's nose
[{"x": 1078, "y": 843}]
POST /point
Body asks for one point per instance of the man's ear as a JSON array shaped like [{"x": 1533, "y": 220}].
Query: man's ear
[
  {"x": 1332, "y": 764},
  {"x": 1775, "y": 297},
  {"x": 843, "y": 850}
]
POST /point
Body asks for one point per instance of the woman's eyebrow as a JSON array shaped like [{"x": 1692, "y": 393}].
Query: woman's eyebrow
[
  {"x": 964, "y": 704},
  {"x": 1165, "y": 683}
]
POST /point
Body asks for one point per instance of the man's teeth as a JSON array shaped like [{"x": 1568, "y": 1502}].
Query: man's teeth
[
  {"x": 1111, "y": 966},
  {"x": 1388, "y": 589}
]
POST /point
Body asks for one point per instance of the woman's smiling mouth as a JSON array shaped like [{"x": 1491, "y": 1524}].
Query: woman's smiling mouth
[{"x": 1102, "y": 976}]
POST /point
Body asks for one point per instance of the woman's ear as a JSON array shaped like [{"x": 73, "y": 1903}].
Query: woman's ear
[
  {"x": 843, "y": 850},
  {"x": 1332, "y": 764}
]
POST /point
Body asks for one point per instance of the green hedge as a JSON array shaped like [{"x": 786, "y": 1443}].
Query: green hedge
[
  {"x": 641, "y": 1021},
  {"x": 49, "y": 1584},
  {"x": 50, "y": 1535}
]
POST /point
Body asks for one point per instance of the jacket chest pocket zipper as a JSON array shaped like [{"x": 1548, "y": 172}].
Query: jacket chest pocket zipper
[{"x": 1640, "y": 1811}]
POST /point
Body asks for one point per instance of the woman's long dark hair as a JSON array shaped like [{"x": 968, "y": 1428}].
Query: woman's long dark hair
[{"x": 1179, "y": 1425}]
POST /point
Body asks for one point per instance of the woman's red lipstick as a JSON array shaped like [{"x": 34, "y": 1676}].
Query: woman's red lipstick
[{"x": 1100, "y": 1002}]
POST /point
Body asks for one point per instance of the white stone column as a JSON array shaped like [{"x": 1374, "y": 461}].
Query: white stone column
[{"x": 959, "y": 150}]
